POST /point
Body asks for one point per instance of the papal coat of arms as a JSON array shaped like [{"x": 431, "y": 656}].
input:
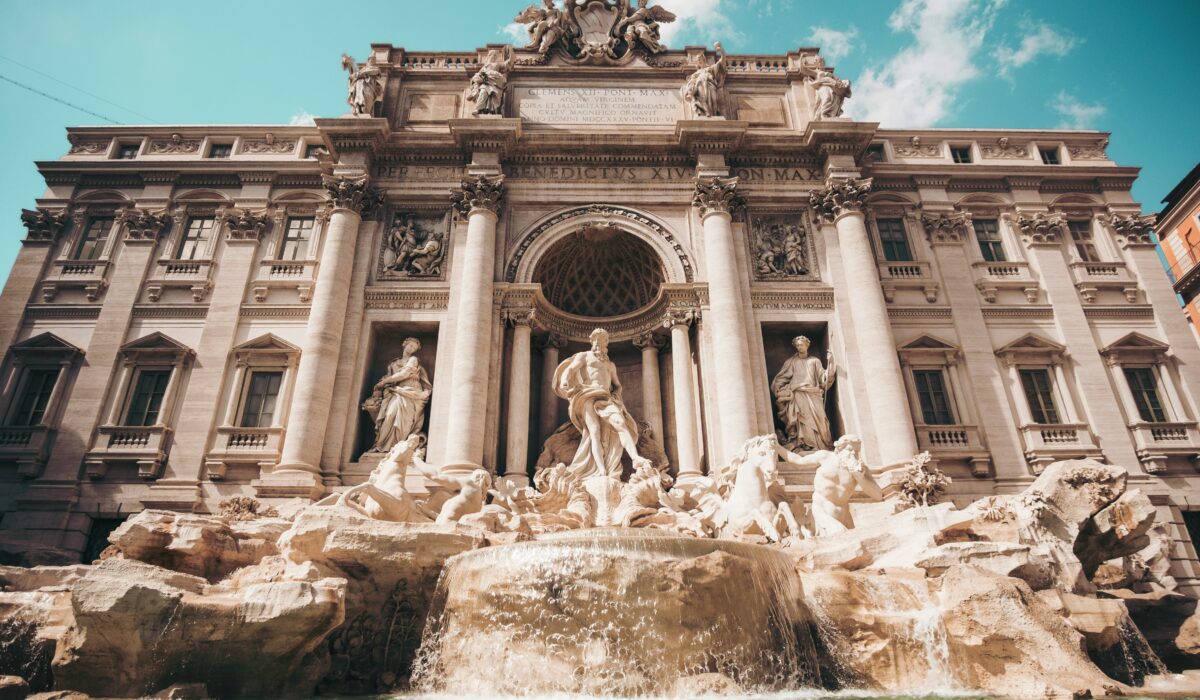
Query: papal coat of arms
[{"x": 602, "y": 32}]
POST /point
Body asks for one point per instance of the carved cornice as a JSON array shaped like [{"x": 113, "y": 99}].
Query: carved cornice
[
  {"x": 425, "y": 299},
  {"x": 60, "y": 312},
  {"x": 484, "y": 193},
  {"x": 1042, "y": 229},
  {"x": 1094, "y": 151},
  {"x": 176, "y": 144},
  {"x": 353, "y": 193},
  {"x": 141, "y": 225},
  {"x": 44, "y": 225},
  {"x": 718, "y": 195},
  {"x": 244, "y": 225},
  {"x": 914, "y": 149},
  {"x": 946, "y": 227},
  {"x": 1133, "y": 230},
  {"x": 1003, "y": 149},
  {"x": 840, "y": 197}
]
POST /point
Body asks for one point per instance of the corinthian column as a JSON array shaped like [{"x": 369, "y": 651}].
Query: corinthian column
[
  {"x": 717, "y": 199},
  {"x": 687, "y": 428},
  {"x": 650, "y": 344},
  {"x": 842, "y": 202},
  {"x": 479, "y": 200},
  {"x": 518, "y": 396},
  {"x": 299, "y": 469}
]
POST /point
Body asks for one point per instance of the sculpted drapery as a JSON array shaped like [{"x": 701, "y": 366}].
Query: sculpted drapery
[
  {"x": 398, "y": 403},
  {"x": 799, "y": 391}
]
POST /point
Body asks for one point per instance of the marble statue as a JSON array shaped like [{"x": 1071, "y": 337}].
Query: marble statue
[
  {"x": 397, "y": 405},
  {"x": 547, "y": 26},
  {"x": 588, "y": 381},
  {"x": 641, "y": 26},
  {"x": 831, "y": 93},
  {"x": 702, "y": 91},
  {"x": 799, "y": 391},
  {"x": 840, "y": 473},
  {"x": 752, "y": 508},
  {"x": 489, "y": 84},
  {"x": 365, "y": 88},
  {"x": 383, "y": 495},
  {"x": 416, "y": 251}
]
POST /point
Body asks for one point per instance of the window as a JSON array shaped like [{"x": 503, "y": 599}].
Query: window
[
  {"x": 34, "y": 396},
  {"x": 92, "y": 243},
  {"x": 960, "y": 154},
  {"x": 1049, "y": 155},
  {"x": 147, "y": 398},
  {"x": 935, "y": 401},
  {"x": 893, "y": 240},
  {"x": 259, "y": 410},
  {"x": 1145, "y": 394},
  {"x": 97, "y": 540},
  {"x": 875, "y": 152},
  {"x": 194, "y": 243},
  {"x": 1039, "y": 393},
  {"x": 987, "y": 232},
  {"x": 1081, "y": 236},
  {"x": 313, "y": 150},
  {"x": 296, "y": 239},
  {"x": 127, "y": 151},
  {"x": 220, "y": 150}
]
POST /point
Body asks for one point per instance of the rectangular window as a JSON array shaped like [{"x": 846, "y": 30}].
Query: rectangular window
[
  {"x": 1039, "y": 393},
  {"x": 987, "y": 232},
  {"x": 196, "y": 236},
  {"x": 875, "y": 152},
  {"x": 935, "y": 402},
  {"x": 92, "y": 243},
  {"x": 1085, "y": 245},
  {"x": 313, "y": 150},
  {"x": 127, "y": 151},
  {"x": 259, "y": 411},
  {"x": 1050, "y": 156},
  {"x": 30, "y": 408},
  {"x": 147, "y": 398},
  {"x": 296, "y": 239},
  {"x": 220, "y": 150},
  {"x": 960, "y": 154},
  {"x": 893, "y": 240},
  {"x": 1145, "y": 394}
]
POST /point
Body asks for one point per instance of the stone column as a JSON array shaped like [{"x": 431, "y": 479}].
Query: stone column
[
  {"x": 44, "y": 227},
  {"x": 842, "y": 202},
  {"x": 548, "y": 410},
  {"x": 479, "y": 200},
  {"x": 299, "y": 470},
  {"x": 687, "y": 427},
  {"x": 717, "y": 200},
  {"x": 517, "y": 454},
  {"x": 650, "y": 344}
]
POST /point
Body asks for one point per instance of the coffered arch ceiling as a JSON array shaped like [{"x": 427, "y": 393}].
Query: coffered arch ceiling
[{"x": 600, "y": 271}]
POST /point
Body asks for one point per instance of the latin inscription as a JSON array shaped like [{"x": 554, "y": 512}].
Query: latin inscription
[
  {"x": 593, "y": 173},
  {"x": 578, "y": 105}
]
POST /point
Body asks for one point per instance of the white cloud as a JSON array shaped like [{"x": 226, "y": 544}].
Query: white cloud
[
  {"x": 516, "y": 33},
  {"x": 835, "y": 44},
  {"x": 700, "y": 21},
  {"x": 302, "y": 119},
  {"x": 1076, "y": 114},
  {"x": 917, "y": 87},
  {"x": 1037, "y": 39}
]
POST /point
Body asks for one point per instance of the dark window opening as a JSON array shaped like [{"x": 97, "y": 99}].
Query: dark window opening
[
  {"x": 1039, "y": 393},
  {"x": 960, "y": 154},
  {"x": 935, "y": 401},
  {"x": 893, "y": 240},
  {"x": 30, "y": 408},
  {"x": 148, "y": 393}
]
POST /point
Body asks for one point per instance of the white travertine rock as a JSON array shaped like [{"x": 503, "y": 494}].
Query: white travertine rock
[
  {"x": 16, "y": 578},
  {"x": 199, "y": 545},
  {"x": 1003, "y": 558}
]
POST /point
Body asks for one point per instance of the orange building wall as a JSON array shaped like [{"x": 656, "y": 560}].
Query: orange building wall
[{"x": 1181, "y": 247}]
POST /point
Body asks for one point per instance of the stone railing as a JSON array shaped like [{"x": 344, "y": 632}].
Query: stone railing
[
  {"x": 909, "y": 274},
  {"x": 992, "y": 277},
  {"x": 89, "y": 275},
  {"x": 440, "y": 61},
  {"x": 297, "y": 275},
  {"x": 27, "y": 446},
  {"x": 1046, "y": 443},
  {"x": 758, "y": 64},
  {"x": 956, "y": 442},
  {"x": 1091, "y": 277},
  {"x": 145, "y": 445},
  {"x": 254, "y": 446}
]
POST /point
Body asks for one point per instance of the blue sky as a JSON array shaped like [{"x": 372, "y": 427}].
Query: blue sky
[{"x": 1125, "y": 67}]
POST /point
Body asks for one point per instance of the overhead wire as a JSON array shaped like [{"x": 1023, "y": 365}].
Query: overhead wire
[
  {"x": 31, "y": 69},
  {"x": 52, "y": 97}
]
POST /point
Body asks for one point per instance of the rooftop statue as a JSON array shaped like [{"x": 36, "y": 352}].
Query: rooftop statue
[
  {"x": 832, "y": 91},
  {"x": 702, "y": 91},
  {"x": 489, "y": 84},
  {"x": 641, "y": 27},
  {"x": 365, "y": 87},
  {"x": 595, "y": 31},
  {"x": 548, "y": 25}
]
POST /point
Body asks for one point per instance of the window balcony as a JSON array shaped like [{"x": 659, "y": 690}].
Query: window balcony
[
  {"x": 1156, "y": 442},
  {"x": 956, "y": 442},
  {"x": 1092, "y": 277},
  {"x": 908, "y": 274},
  {"x": 194, "y": 275},
  {"x": 1048, "y": 443},
  {"x": 27, "y": 446},
  {"x": 147, "y": 446},
  {"x": 298, "y": 275},
  {"x": 257, "y": 446},
  {"x": 992, "y": 277},
  {"x": 89, "y": 275}
]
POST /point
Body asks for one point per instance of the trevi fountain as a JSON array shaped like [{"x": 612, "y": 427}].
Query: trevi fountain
[{"x": 788, "y": 566}]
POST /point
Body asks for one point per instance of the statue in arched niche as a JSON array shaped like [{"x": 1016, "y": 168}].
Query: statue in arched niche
[
  {"x": 397, "y": 404},
  {"x": 799, "y": 391}
]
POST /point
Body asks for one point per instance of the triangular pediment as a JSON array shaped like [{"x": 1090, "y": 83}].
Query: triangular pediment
[
  {"x": 156, "y": 341},
  {"x": 1032, "y": 341},
  {"x": 929, "y": 342},
  {"x": 1137, "y": 341},
  {"x": 270, "y": 341},
  {"x": 45, "y": 341}
]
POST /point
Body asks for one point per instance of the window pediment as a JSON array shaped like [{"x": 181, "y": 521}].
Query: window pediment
[
  {"x": 45, "y": 346},
  {"x": 1136, "y": 348},
  {"x": 929, "y": 350},
  {"x": 1032, "y": 349},
  {"x": 156, "y": 346}
]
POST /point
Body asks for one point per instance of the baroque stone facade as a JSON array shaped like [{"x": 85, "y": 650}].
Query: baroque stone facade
[{"x": 200, "y": 313}]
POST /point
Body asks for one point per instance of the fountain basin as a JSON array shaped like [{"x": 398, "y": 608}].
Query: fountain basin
[{"x": 616, "y": 612}]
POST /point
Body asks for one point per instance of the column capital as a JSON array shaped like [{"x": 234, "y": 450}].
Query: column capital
[
  {"x": 483, "y": 192},
  {"x": 680, "y": 317},
  {"x": 353, "y": 193},
  {"x": 519, "y": 317},
  {"x": 649, "y": 340},
  {"x": 1043, "y": 228},
  {"x": 552, "y": 341},
  {"x": 943, "y": 228},
  {"x": 44, "y": 225},
  {"x": 840, "y": 196},
  {"x": 245, "y": 225},
  {"x": 145, "y": 226},
  {"x": 1133, "y": 229},
  {"x": 717, "y": 195}
]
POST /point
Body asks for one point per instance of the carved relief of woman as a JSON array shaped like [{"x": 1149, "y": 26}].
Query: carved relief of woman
[{"x": 398, "y": 403}]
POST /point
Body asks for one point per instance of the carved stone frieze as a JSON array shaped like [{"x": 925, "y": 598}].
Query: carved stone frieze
[
  {"x": 1042, "y": 229},
  {"x": 175, "y": 144},
  {"x": 437, "y": 299},
  {"x": 244, "y": 225},
  {"x": 414, "y": 246},
  {"x": 1005, "y": 149},
  {"x": 1094, "y": 151},
  {"x": 792, "y": 299},
  {"x": 914, "y": 149},
  {"x": 269, "y": 144},
  {"x": 782, "y": 248},
  {"x": 353, "y": 193},
  {"x": 718, "y": 195},
  {"x": 946, "y": 227},
  {"x": 485, "y": 193},
  {"x": 1132, "y": 229},
  {"x": 141, "y": 225},
  {"x": 44, "y": 225},
  {"x": 88, "y": 147},
  {"x": 840, "y": 197}
]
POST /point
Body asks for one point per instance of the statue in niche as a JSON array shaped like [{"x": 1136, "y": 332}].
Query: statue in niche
[
  {"x": 780, "y": 249},
  {"x": 397, "y": 405},
  {"x": 547, "y": 26},
  {"x": 840, "y": 473},
  {"x": 416, "y": 246},
  {"x": 799, "y": 391},
  {"x": 642, "y": 25},
  {"x": 489, "y": 84},
  {"x": 588, "y": 381},
  {"x": 366, "y": 86},
  {"x": 832, "y": 91},
  {"x": 702, "y": 91}
]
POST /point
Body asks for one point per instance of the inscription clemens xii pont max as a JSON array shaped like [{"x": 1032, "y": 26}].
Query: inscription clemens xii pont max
[{"x": 575, "y": 105}]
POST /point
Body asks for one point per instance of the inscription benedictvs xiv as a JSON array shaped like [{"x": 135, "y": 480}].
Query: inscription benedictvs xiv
[
  {"x": 576, "y": 105},
  {"x": 594, "y": 173}
]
